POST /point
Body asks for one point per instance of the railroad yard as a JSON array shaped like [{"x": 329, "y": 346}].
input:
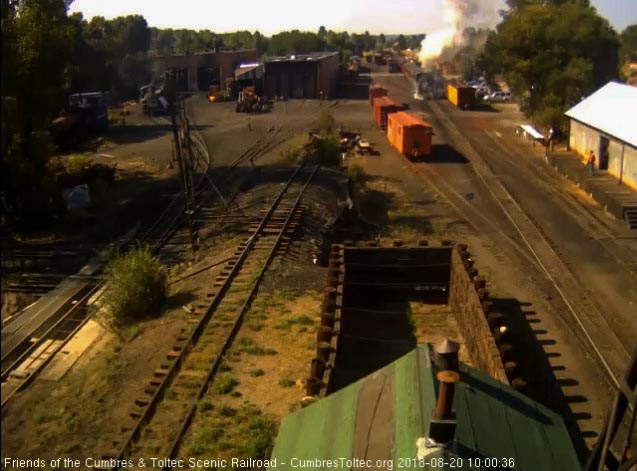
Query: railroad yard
[{"x": 231, "y": 352}]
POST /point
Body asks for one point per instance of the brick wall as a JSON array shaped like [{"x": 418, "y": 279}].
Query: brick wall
[{"x": 472, "y": 321}]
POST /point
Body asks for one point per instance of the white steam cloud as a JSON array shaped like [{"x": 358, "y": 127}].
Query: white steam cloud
[{"x": 456, "y": 16}]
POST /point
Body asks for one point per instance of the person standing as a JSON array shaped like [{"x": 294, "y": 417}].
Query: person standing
[{"x": 591, "y": 163}]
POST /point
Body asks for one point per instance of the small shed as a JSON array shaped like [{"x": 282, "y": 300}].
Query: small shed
[
  {"x": 376, "y": 90},
  {"x": 409, "y": 134},
  {"x": 384, "y": 106},
  {"x": 384, "y": 421},
  {"x": 605, "y": 123}
]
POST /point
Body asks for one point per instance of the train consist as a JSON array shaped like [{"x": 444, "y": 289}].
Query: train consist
[{"x": 410, "y": 135}]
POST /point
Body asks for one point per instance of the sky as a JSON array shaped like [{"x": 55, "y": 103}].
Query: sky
[{"x": 271, "y": 16}]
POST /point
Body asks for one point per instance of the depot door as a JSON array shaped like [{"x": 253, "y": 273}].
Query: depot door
[{"x": 603, "y": 153}]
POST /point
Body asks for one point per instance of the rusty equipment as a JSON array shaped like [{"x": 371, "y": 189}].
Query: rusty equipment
[
  {"x": 86, "y": 113},
  {"x": 250, "y": 102}
]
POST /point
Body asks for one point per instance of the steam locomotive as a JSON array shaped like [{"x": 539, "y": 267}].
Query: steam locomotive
[{"x": 428, "y": 84}]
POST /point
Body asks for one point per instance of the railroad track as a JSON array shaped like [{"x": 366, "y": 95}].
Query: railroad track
[{"x": 170, "y": 398}]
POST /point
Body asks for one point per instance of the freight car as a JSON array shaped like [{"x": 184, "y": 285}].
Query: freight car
[
  {"x": 411, "y": 136},
  {"x": 384, "y": 106},
  {"x": 463, "y": 97},
  {"x": 376, "y": 90}
]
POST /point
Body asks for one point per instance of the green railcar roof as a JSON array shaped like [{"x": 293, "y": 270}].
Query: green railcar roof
[{"x": 380, "y": 418}]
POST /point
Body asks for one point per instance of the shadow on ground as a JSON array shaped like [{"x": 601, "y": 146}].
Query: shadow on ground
[
  {"x": 543, "y": 386},
  {"x": 445, "y": 154},
  {"x": 129, "y": 134}
]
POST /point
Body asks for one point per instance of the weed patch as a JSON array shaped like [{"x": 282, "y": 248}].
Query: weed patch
[
  {"x": 225, "y": 385},
  {"x": 286, "y": 382}
]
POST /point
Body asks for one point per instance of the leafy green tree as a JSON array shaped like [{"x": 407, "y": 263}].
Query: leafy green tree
[
  {"x": 36, "y": 39},
  {"x": 322, "y": 32},
  {"x": 552, "y": 54}
]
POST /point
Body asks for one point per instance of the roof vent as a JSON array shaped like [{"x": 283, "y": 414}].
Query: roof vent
[
  {"x": 442, "y": 425},
  {"x": 447, "y": 355}
]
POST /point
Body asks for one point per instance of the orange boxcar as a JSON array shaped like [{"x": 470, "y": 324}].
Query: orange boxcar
[
  {"x": 376, "y": 90},
  {"x": 383, "y": 106},
  {"x": 411, "y": 136}
]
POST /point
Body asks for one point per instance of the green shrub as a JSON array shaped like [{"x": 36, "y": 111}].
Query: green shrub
[
  {"x": 78, "y": 162},
  {"x": 304, "y": 320},
  {"x": 326, "y": 149},
  {"x": 136, "y": 286},
  {"x": 326, "y": 122},
  {"x": 356, "y": 174},
  {"x": 290, "y": 155},
  {"x": 227, "y": 411},
  {"x": 225, "y": 384},
  {"x": 204, "y": 406},
  {"x": 286, "y": 382},
  {"x": 257, "y": 372},
  {"x": 260, "y": 437}
]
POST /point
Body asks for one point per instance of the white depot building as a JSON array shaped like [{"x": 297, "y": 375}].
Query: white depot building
[{"x": 606, "y": 122}]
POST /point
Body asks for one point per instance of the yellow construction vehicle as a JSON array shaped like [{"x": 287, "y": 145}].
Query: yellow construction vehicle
[{"x": 215, "y": 94}]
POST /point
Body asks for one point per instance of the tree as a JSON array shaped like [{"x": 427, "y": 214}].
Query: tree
[
  {"x": 628, "y": 50},
  {"x": 368, "y": 41},
  {"x": 36, "y": 39},
  {"x": 259, "y": 43},
  {"x": 402, "y": 42},
  {"x": 294, "y": 42},
  {"x": 322, "y": 32},
  {"x": 552, "y": 54},
  {"x": 162, "y": 42}
]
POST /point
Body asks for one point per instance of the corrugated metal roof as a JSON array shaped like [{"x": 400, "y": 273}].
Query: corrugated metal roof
[
  {"x": 381, "y": 416},
  {"x": 611, "y": 109}
]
